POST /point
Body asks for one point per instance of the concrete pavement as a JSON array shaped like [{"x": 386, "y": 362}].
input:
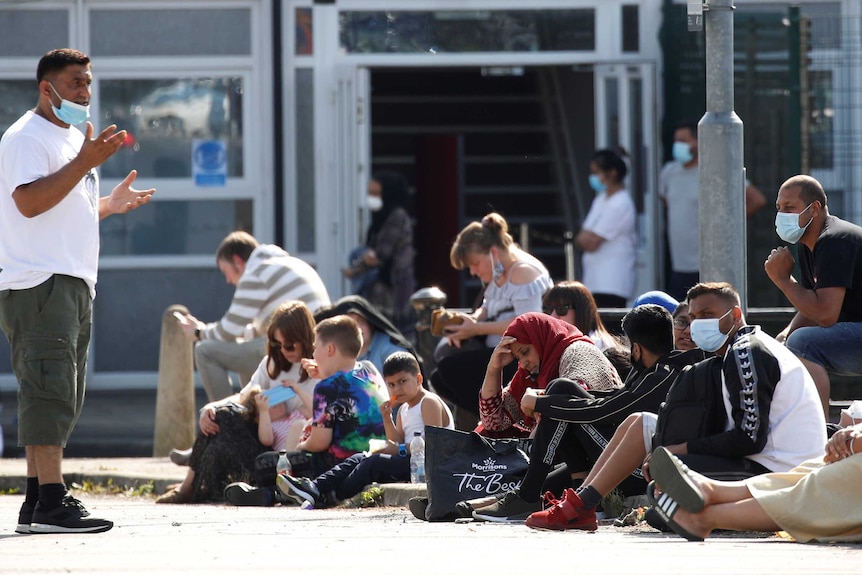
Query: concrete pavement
[{"x": 191, "y": 539}]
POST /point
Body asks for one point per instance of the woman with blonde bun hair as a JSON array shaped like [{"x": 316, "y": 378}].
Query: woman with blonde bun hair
[{"x": 515, "y": 282}]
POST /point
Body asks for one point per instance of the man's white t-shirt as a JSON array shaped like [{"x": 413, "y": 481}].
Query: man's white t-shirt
[
  {"x": 63, "y": 240},
  {"x": 611, "y": 268},
  {"x": 679, "y": 186}
]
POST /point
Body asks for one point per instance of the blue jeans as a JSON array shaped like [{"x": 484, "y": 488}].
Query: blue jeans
[{"x": 836, "y": 348}]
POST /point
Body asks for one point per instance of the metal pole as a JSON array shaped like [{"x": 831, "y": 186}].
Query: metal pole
[{"x": 722, "y": 181}]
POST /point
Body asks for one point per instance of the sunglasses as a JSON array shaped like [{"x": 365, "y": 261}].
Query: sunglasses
[
  {"x": 560, "y": 309},
  {"x": 288, "y": 347}
]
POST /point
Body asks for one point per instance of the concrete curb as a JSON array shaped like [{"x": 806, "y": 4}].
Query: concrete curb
[{"x": 132, "y": 472}]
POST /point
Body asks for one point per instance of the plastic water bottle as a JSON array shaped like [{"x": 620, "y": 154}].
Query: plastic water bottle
[
  {"x": 283, "y": 465},
  {"x": 417, "y": 458}
]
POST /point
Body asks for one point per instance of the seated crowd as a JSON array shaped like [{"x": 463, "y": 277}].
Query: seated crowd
[{"x": 534, "y": 360}]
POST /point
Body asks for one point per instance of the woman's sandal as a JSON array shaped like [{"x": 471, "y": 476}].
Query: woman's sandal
[
  {"x": 675, "y": 479},
  {"x": 666, "y": 507}
]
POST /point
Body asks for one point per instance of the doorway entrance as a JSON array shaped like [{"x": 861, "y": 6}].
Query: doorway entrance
[{"x": 511, "y": 139}]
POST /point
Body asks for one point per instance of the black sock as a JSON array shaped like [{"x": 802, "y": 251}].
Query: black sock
[
  {"x": 589, "y": 496},
  {"x": 51, "y": 495},
  {"x": 31, "y": 496}
]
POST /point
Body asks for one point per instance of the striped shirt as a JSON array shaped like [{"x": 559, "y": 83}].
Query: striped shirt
[{"x": 271, "y": 277}]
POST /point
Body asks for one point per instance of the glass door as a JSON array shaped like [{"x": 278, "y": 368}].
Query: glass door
[{"x": 626, "y": 118}]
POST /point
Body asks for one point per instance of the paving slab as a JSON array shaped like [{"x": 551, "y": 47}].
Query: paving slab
[{"x": 191, "y": 539}]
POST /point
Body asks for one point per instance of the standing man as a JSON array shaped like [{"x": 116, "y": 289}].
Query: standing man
[
  {"x": 50, "y": 210},
  {"x": 826, "y": 332},
  {"x": 679, "y": 189},
  {"x": 265, "y": 276}
]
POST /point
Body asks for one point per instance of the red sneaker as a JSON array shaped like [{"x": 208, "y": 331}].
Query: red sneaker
[{"x": 568, "y": 513}]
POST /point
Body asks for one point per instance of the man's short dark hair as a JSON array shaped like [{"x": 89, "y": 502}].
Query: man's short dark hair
[
  {"x": 687, "y": 125},
  {"x": 723, "y": 290},
  {"x": 57, "y": 60},
  {"x": 238, "y": 243},
  {"x": 810, "y": 189},
  {"x": 651, "y": 326},
  {"x": 400, "y": 361}
]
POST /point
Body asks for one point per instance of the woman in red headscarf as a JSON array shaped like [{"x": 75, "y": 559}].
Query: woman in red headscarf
[{"x": 546, "y": 348}]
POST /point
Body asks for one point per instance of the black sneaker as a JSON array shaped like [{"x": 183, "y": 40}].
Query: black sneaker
[
  {"x": 68, "y": 517},
  {"x": 25, "y": 518},
  {"x": 299, "y": 489},
  {"x": 417, "y": 506},
  {"x": 510, "y": 509},
  {"x": 244, "y": 495}
]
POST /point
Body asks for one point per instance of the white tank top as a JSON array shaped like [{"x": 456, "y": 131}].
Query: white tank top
[{"x": 411, "y": 419}]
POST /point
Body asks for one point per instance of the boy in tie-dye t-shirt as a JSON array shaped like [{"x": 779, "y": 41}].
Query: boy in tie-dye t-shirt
[{"x": 346, "y": 404}]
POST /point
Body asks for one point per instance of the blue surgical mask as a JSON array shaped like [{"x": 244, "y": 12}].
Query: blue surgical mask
[
  {"x": 69, "y": 112},
  {"x": 707, "y": 334},
  {"x": 682, "y": 152},
  {"x": 597, "y": 184},
  {"x": 497, "y": 268},
  {"x": 787, "y": 225}
]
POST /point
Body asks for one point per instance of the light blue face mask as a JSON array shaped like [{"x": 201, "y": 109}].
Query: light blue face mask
[
  {"x": 69, "y": 112},
  {"x": 597, "y": 185},
  {"x": 497, "y": 269},
  {"x": 707, "y": 334},
  {"x": 787, "y": 225},
  {"x": 682, "y": 152}
]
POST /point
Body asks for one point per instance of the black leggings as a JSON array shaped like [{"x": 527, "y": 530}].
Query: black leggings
[{"x": 578, "y": 445}]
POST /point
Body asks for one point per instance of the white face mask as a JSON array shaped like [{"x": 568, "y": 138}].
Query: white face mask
[
  {"x": 707, "y": 334},
  {"x": 787, "y": 225},
  {"x": 374, "y": 203}
]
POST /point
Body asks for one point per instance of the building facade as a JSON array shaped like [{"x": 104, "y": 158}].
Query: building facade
[{"x": 270, "y": 116}]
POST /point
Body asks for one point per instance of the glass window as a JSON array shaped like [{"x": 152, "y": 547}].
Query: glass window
[
  {"x": 821, "y": 122},
  {"x": 305, "y": 228},
  {"x": 164, "y": 116},
  {"x": 468, "y": 31},
  {"x": 32, "y": 32},
  {"x": 612, "y": 112},
  {"x": 304, "y": 43},
  {"x": 631, "y": 28},
  {"x": 174, "y": 227},
  {"x": 16, "y": 97},
  {"x": 161, "y": 32}
]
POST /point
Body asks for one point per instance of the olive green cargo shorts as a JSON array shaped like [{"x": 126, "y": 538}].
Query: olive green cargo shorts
[{"x": 48, "y": 327}]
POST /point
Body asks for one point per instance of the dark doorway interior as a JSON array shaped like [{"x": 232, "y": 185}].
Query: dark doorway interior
[{"x": 472, "y": 140}]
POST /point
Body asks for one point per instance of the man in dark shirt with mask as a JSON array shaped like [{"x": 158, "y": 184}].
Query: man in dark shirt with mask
[{"x": 826, "y": 332}]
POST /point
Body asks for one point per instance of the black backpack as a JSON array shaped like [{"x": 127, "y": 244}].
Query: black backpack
[{"x": 693, "y": 407}]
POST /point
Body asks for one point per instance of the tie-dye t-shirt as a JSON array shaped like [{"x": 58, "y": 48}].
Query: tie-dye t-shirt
[{"x": 349, "y": 404}]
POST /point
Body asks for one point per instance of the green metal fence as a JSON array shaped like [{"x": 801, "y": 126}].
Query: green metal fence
[{"x": 771, "y": 71}]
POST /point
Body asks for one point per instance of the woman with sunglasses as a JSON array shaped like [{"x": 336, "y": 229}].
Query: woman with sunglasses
[
  {"x": 573, "y": 303},
  {"x": 290, "y": 336}
]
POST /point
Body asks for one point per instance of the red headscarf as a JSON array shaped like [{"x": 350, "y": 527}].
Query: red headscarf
[{"x": 550, "y": 336}]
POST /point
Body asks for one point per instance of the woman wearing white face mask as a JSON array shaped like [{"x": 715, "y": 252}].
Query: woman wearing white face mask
[
  {"x": 382, "y": 270},
  {"x": 607, "y": 237}
]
